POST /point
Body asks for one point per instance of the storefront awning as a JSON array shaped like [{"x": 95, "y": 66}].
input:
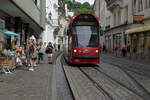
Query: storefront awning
[
  {"x": 9, "y": 33},
  {"x": 138, "y": 29}
]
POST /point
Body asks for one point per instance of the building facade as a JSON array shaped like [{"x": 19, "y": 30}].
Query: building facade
[
  {"x": 100, "y": 11},
  {"x": 139, "y": 33},
  {"x": 120, "y": 28},
  {"x": 24, "y": 17},
  {"x": 51, "y": 21}
]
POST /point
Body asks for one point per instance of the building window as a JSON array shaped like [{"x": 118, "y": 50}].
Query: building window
[
  {"x": 126, "y": 14},
  {"x": 108, "y": 21},
  {"x": 119, "y": 18},
  {"x": 140, "y": 5},
  {"x": 35, "y": 1},
  {"x": 114, "y": 19},
  {"x": 135, "y": 6},
  {"x": 38, "y": 3}
]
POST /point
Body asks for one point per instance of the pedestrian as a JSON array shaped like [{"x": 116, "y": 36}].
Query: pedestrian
[
  {"x": 128, "y": 49},
  {"x": 40, "y": 52},
  {"x": 27, "y": 51},
  {"x": 123, "y": 51},
  {"x": 104, "y": 48},
  {"x": 117, "y": 49},
  {"x": 33, "y": 55},
  {"x": 49, "y": 51}
]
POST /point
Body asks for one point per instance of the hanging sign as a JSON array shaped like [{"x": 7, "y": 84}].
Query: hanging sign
[{"x": 138, "y": 19}]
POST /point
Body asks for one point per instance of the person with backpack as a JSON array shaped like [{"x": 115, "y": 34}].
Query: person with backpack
[{"x": 49, "y": 51}]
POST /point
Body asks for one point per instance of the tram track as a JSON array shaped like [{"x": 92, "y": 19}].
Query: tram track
[
  {"x": 123, "y": 85},
  {"x": 145, "y": 94},
  {"x": 97, "y": 85},
  {"x": 111, "y": 79},
  {"x": 136, "y": 68}
]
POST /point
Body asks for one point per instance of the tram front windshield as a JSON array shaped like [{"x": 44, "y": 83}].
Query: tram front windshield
[{"x": 85, "y": 36}]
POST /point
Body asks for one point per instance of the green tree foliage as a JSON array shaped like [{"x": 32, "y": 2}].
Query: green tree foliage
[{"x": 77, "y": 7}]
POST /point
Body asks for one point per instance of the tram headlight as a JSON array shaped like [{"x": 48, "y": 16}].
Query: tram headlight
[
  {"x": 96, "y": 51},
  {"x": 75, "y": 50}
]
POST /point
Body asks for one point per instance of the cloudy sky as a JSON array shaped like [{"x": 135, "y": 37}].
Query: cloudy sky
[{"x": 90, "y": 1}]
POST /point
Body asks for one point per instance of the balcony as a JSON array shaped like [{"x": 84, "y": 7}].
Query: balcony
[{"x": 111, "y": 4}]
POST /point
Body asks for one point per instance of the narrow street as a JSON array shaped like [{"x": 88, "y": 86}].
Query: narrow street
[
  {"x": 74, "y": 49},
  {"x": 116, "y": 78}
]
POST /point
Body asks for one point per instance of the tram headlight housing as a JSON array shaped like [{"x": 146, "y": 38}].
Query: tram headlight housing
[
  {"x": 97, "y": 51},
  {"x": 74, "y": 50}
]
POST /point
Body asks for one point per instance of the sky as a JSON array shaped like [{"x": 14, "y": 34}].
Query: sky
[{"x": 90, "y": 1}]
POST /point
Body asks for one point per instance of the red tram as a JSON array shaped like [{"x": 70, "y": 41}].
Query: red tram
[{"x": 82, "y": 40}]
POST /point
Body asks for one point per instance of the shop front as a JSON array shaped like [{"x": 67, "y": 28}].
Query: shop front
[
  {"x": 7, "y": 55},
  {"x": 139, "y": 38}
]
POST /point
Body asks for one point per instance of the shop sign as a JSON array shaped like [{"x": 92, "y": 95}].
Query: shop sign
[
  {"x": 2, "y": 23},
  {"x": 138, "y": 19}
]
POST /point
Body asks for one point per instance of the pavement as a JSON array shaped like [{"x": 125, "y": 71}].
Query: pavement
[{"x": 27, "y": 85}]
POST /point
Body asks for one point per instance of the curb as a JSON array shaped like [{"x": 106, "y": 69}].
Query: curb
[
  {"x": 54, "y": 94},
  {"x": 54, "y": 83},
  {"x": 71, "y": 83}
]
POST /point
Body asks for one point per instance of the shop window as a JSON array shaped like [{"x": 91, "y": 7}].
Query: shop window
[
  {"x": 141, "y": 43},
  {"x": 148, "y": 44}
]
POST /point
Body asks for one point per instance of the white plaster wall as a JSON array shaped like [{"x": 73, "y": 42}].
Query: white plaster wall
[{"x": 47, "y": 35}]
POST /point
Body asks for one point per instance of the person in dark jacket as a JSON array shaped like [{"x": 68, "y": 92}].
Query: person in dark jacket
[{"x": 49, "y": 51}]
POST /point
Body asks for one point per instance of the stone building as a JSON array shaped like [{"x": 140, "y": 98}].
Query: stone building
[
  {"x": 139, "y": 33},
  {"x": 119, "y": 26},
  {"x": 101, "y": 12},
  {"x": 51, "y": 21}
]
